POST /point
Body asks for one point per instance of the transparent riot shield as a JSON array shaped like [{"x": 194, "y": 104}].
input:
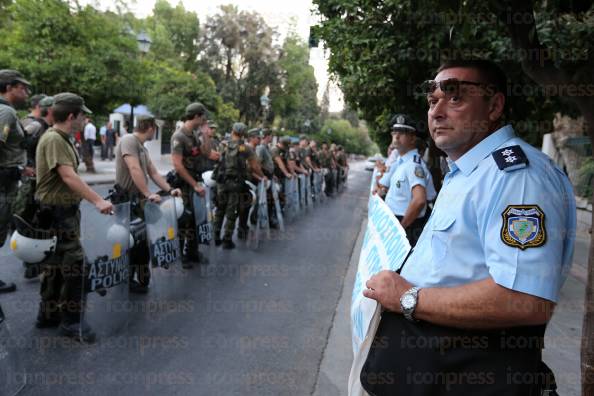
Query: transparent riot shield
[
  {"x": 288, "y": 210},
  {"x": 301, "y": 186},
  {"x": 295, "y": 196},
  {"x": 315, "y": 187},
  {"x": 253, "y": 238},
  {"x": 106, "y": 242},
  {"x": 263, "y": 220},
  {"x": 308, "y": 191},
  {"x": 275, "y": 188},
  {"x": 12, "y": 373},
  {"x": 335, "y": 180},
  {"x": 202, "y": 218},
  {"x": 164, "y": 247}
]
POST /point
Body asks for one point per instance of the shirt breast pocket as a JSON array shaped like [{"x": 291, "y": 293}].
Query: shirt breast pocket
[{"x": 440, "y": 237}]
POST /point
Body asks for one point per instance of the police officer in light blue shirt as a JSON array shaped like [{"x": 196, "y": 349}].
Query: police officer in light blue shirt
[
  {"x": 408, "y": 180},
  {"x": 493, "y": 256}
]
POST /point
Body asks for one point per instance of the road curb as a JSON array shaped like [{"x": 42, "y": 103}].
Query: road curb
[{"x": 333, "y": 374}]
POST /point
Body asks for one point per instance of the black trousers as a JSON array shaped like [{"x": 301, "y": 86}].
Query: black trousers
[
  {"x": 413, "y": 231},
  {"x": 423, "y": 359}
]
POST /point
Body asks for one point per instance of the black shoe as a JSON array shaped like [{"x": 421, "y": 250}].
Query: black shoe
[
  {"x": 45, "y": 321},
  {"x": 227, "y": 244},
  {"x": 80, "y": 331},
  {"x": 218, "y": 242},
  {"x": 138, "y": 288},
  {"x": 31, "y": 270},
  {"x": 242, "y": 234},
  {"x": 7, "y": 287},
  {"x": 202, "y": 259}
]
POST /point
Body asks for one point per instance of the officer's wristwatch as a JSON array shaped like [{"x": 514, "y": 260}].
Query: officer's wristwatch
[{"x": 408, "y": 303}]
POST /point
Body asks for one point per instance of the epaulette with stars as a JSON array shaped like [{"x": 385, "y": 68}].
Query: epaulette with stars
[{"x": 510, "y": 158}]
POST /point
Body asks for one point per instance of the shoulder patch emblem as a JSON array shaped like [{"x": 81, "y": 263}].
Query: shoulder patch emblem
[
  {"x": 523, "y": 226},
  {"x": 419, "y": 172},
  {"x": 510, "y": 158},
  {"x": 6, "y": 131}
]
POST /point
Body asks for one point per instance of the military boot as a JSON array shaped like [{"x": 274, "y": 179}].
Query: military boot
[
  {"x": 47, "y": 318},
  {"x": 73, "y": 327},
  {"x": 228, "y": 244}
]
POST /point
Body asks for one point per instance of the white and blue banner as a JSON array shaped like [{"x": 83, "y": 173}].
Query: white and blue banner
[{"x": 384, "y": 248}]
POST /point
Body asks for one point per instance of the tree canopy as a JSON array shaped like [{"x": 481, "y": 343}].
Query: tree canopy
[{"x": 381, "y": 51}]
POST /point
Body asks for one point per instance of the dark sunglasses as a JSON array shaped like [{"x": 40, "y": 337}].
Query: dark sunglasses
[{"x": 450, "y": 86}]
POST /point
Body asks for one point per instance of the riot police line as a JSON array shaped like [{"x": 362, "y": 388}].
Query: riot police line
[
  {"x": 140, "y": 229},
  {"x": 91, "y": 265}
]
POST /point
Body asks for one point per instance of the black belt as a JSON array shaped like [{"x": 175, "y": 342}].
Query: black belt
[
  {"x": 59, "y": 210},
  {"x": 12, "y": 173}
]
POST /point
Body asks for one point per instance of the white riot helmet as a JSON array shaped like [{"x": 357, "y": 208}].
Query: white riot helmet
[
  {"x": 253, "y": 190},
  {"x": 179, "y": 205},
  {"x": 30, "y": 244},
  {"x": 117, "y": 233},
  {"x": 208, "y": 180}
]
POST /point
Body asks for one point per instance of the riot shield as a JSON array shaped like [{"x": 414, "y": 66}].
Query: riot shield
[
  {"x": 302, "y": 192},
  {"x": 335, "y": 180},
  {"x": 202, "y": 218},
  {"x": 288, "y": 210},
  {"x": 275, "y": 188},
  {"x": 252, "y": 221},
  {"x": 308, "y": 192},
  {"x": 263, "y": 221},
  {"x": 164, "y": 247},
  {"x": 316, "y": 187},
  {"x": 106, "y": 242},
  {"x": 12, "y": 373},
  {"x": 295, "y": 196}
]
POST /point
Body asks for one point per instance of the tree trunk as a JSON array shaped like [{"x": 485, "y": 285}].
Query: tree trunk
[{"x": 587, "y": 354}]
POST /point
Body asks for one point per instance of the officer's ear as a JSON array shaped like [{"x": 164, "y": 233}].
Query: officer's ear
[{"x": 496, "y": 106}]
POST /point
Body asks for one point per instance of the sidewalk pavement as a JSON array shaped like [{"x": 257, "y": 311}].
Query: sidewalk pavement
[
  {"x": 562, "y": 339},
  {"x": 105, "y": 169}
]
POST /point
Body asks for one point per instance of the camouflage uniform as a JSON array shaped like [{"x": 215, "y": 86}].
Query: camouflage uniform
[
  {"x": 12, "y": 158},
  {"x": 61, "y": 278},
  {"x": 325, "y": 158},
  {"x": 187, "y": 144},
  {"x": 231, "y": 190},
  {"x": 283, "y": 154}
]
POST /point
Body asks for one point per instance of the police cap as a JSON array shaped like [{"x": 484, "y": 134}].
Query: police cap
[
  {"x": 286, "y": 140},
  {"x": 8, "y": 76},
  {"x": 255, "y": 132},
  {"x": 403, "y": 123},
  {"x": 239, "y": 128},
  {"x": 70, "y": 100},
  {"x": 195, "y": 108},
  {"x": 47, "y": 102}
]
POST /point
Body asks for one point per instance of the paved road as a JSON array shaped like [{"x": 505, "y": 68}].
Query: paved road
[{"x": 250, "y": 323}]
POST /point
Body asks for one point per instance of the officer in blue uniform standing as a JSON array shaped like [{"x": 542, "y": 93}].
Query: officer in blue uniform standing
[
  {"x": 489, "y": 265},
  {"x": 408, "y": 179}
]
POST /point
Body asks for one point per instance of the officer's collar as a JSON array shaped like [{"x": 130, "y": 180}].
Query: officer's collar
[
  {"x": 4, "y": 101},
  {"x": 186, "y": 131},
  {"x": 469, "y": 161},
  {"x": 408, "y": 155},
  {"x": 61, "y": 132}
]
